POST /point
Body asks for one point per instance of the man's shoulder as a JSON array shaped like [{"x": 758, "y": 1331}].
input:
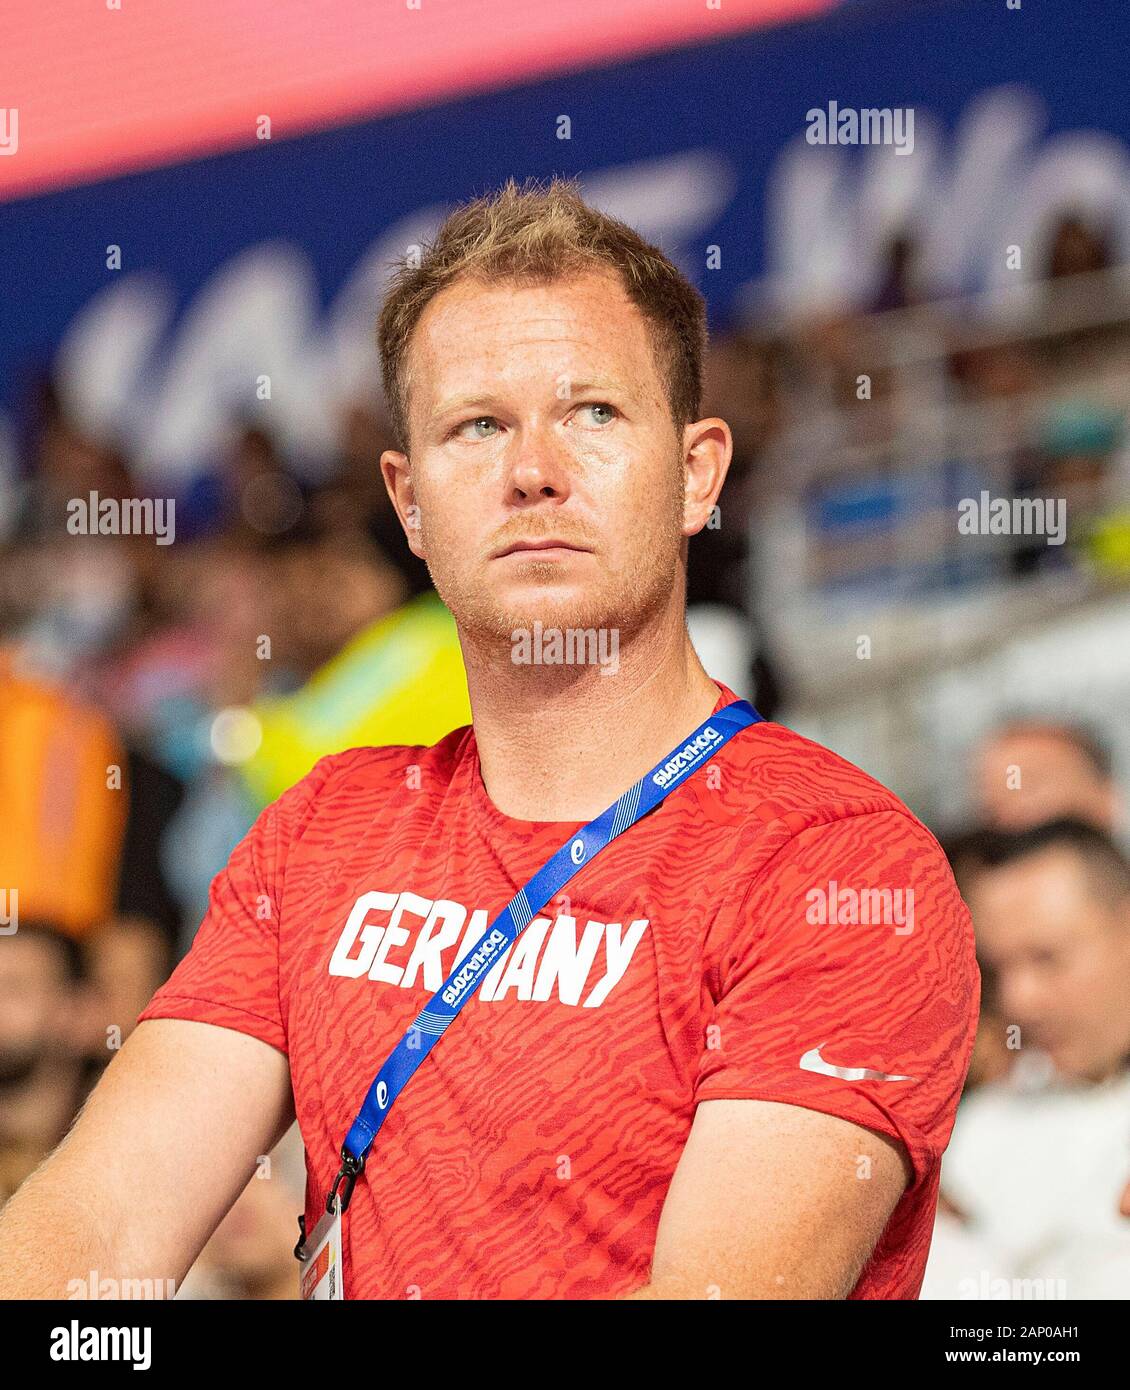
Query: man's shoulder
[
  {"x": 374, "y": 766},
  {"x": 781, "y": 776},
  {"x": 358, "y": 779}
]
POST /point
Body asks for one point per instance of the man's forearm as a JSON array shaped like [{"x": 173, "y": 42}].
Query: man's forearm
[
  {"x": 674, "y": 1288},
  {"x": 817, "y": 1280},
  {"x": 49, "y": 1237}
]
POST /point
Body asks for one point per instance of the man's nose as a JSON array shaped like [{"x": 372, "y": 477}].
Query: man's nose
[
  {"x": 1023, "y": 996},
  {"x": 538, "y": 471}
]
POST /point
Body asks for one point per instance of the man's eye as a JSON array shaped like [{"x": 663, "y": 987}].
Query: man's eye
[
  {"x": 482, "y": 427},
  {"x": 599, "y": 413}
]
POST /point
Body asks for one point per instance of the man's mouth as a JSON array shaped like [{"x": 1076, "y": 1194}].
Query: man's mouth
[
  {"x": 17, "y": 1067},
  {"x": 547, "y": 545}
]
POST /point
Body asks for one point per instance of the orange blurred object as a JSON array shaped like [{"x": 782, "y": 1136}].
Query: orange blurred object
[{"x": 63, "y": 815}]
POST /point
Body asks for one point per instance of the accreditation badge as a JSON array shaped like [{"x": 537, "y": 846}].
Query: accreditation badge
[{"x": 323, "y": 1275}]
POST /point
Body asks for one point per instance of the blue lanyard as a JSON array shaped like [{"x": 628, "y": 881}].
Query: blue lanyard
[{"x": 441, "y": 1009}]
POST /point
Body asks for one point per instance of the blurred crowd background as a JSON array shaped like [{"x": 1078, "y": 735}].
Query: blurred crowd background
[{"x": 153, "y": 697}]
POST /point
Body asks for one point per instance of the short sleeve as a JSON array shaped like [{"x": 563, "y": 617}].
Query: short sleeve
[
  {"x": 849, "y": 984},
  {"x": 230, "y": 976}
]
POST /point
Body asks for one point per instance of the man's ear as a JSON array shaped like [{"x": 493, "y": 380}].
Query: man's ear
[
  {"x": 707, "y": 449},
  {"x": 397, "y": 473}
]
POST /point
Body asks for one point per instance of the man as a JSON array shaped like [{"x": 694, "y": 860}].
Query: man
[
  {"x": 703, "y": 1071},
  {"x": 47, "y": 1028},
  {"x": 1038, "y": 1160},
  {"x": 1028, "y": 771}
]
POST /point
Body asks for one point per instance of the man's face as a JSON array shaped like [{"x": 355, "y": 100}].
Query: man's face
[
  {"x": 1062, "y": 959},
  {"x": 1055, "y": 779},
  {"x": 36, "y": 1002},
  {"x": 537, "y": 414}
]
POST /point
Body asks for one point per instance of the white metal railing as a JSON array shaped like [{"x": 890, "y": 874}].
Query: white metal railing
[
  {"x": 917, "y": 567},
  {"x": 932, "y": 601}
]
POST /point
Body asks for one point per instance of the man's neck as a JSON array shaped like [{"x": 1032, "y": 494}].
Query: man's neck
[{"x": 561, "y": 743}]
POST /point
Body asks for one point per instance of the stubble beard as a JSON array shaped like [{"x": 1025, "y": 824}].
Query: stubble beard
[{"x": 627, "y": 601}]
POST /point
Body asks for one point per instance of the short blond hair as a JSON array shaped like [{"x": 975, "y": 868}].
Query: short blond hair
[{"x": 537, "y": 234}]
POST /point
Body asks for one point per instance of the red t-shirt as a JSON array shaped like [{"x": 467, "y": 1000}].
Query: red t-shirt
[{"x": 781, "y": 917}]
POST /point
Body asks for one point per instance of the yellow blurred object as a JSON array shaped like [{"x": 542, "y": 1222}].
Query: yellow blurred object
[
  {"x": 1108, "y": 545},
  {"x": 399, "y": 681},
  {"x": 64, "y": 809}
]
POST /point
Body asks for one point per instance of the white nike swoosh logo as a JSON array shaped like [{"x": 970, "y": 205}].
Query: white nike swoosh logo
[{"x": 812, "y": 1061}]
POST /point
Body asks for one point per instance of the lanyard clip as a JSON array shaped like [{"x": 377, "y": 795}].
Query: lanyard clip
[{"x": 351, "y": 1169}]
